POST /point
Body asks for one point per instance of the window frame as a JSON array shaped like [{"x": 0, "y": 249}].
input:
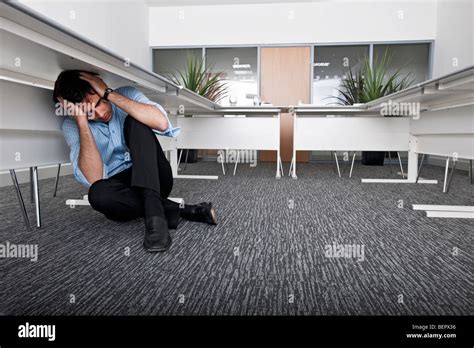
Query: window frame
[{"x": 312, "y": 45}]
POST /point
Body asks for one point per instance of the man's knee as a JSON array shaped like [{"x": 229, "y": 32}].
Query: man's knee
[
  {"x": 135, "y": 125},
  {"x": 107, "y": 197},
  {"x": 136, "y": 131},
  {"x": 99, "y": 194}
]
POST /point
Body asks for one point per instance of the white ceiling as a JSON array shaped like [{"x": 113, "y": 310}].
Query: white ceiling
[{"x": 158, "y": 3}]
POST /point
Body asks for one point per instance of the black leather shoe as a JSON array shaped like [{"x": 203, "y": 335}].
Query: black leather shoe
[
  {"x": 202, "y": 212},
  {"x": 157, "y": 235}
]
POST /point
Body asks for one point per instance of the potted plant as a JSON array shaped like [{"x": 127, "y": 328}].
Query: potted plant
[
  {"x": 352, "y": 89},
  {"x": 371, "y": 83},
  {"x": 199, "y": 79}
]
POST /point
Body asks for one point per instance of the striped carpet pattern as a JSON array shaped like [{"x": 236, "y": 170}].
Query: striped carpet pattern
[{"x": 267, "y": 256}]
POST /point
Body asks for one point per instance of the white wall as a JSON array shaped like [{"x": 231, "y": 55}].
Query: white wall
[
  {"x": 282, "y": 23},
  {"x": 453, "y": 47},
  {"x": 120, "y": 26}
]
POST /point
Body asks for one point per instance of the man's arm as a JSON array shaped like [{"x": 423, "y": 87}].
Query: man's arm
[
  {"x": 89, "y": 161},
  {"x": 145, "y": 113}
]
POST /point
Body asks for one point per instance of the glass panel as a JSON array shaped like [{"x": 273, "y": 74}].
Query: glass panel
[
  {"x": 331, "y": 64},
  {"x": 170, "y": 61},
  {"x": 412, "y": 59},
  {"x": 239, "y": 66}
]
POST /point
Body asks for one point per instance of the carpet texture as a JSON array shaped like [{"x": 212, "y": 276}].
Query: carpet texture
[{"x": 267, "y": 256}]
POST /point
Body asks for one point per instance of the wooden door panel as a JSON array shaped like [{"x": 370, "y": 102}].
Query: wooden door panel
[{"x": 284, "y": 79}]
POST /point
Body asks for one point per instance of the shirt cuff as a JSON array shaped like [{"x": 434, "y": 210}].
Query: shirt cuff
[{"x": 170, "y": 132}]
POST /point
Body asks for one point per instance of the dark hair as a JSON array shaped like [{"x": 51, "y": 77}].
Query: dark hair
[{"x": 71, "y": 87}]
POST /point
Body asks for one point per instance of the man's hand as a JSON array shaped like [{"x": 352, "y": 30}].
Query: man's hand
[
  {"x": 96, "y": 83},
  {"x": 75, "y": 111}
]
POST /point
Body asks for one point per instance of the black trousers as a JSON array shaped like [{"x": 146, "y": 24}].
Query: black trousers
[{"x": 119, "y": 197}]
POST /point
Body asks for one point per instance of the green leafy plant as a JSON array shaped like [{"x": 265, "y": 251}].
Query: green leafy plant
[
  {"x": 201, "y": 80},
  {"x": 372, "y": 82},
  {"x": 379, "y": 82},
  {"x": 352, "y": 89}
]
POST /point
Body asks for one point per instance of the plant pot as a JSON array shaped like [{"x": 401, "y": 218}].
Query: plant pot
[{"x": 373, "y": 158}]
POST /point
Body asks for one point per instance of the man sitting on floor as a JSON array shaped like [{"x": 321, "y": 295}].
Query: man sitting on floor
[{"x": 115, "y": 153}]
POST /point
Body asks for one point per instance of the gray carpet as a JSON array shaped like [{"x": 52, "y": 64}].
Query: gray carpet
[{"x": 266, "y": 256}]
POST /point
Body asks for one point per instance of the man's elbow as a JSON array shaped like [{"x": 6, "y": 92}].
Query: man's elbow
[
  {"x": 93, "y": 180},
  {"x": 91, "y": 175},
  {"x": 161, "y": 124}
]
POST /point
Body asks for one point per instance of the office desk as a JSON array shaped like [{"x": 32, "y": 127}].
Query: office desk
[
  {"x": 445, "y": 127},
  {"x": 348, "y": 128},
  {"x": 250, "y": 128}
]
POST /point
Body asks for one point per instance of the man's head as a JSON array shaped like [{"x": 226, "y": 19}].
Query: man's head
[{"x": 70, "y": 87}]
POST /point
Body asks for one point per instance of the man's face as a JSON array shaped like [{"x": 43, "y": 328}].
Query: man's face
[{"x": 100, "y": 109}]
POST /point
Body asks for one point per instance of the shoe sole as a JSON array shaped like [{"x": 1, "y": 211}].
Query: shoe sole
[
  {"x": 213, "y": 215},
  {"x": 157, "y": 250}
]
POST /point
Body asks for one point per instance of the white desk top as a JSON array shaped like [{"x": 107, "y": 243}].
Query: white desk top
[{"x": 451, "y": 90}]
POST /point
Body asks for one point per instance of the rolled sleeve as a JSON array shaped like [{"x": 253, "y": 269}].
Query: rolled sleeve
[{"x": 136, "y": 95}]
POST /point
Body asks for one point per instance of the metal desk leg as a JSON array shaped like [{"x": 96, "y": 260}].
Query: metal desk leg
[
  {"x": 222, "y": 163},
  {"x": 37, "y": 202},
  {"x": 237, "y": 161},
  {"x": 57, "y": 180},
  {"x": 390, "y": 161},
  {"x": 352, "y": 165},
  {"x": 186, "y": 159},
  {"x": 401, "y": 166},
  {"x": 333, "y": 164},
  {"x": 337, "y": 164},
  {"x": 173, "y": 159},
  {"x": 470, "y": 170},
  {"x": 292, "y": 171},
  {"x": 446, "y": 186},
  {"x": 32, "y": 189},
  {"x": 20, "y": 198},
  {"x": 179, "y": 158},
  {"x": 278, "y": 161},
  {"x": 446, "y": 170},
  {"x": 419, "y": 168}
]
